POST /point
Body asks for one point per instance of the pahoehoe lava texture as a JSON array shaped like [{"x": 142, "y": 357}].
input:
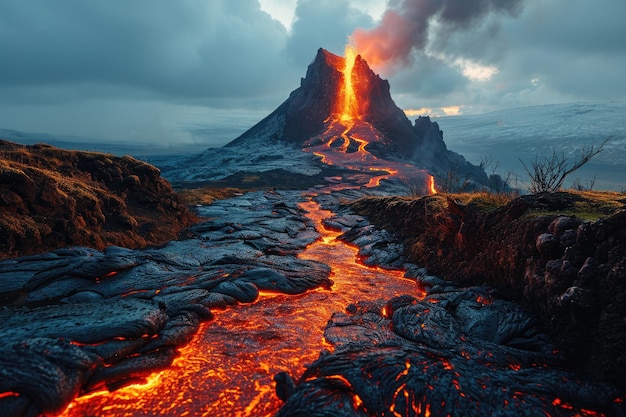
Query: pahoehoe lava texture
[
  {"x": 77, "y": 320},
  {"x": 457, "y": 352}
]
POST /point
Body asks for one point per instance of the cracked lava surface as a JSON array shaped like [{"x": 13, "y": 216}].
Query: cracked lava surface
[{"x": 228, "y": 368}]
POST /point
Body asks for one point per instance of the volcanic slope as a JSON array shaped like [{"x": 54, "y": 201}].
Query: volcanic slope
[{"x": 343, "y": 115}]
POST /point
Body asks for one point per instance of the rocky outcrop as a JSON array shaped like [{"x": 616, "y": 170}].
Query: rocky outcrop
[
  {"x": 52, "y": 198},
  {"x": 570, "y": 273},
  {"x": 449, "y": 350}
]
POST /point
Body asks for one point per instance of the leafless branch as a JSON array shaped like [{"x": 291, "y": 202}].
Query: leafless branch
[{"x": 549, "y": 173}]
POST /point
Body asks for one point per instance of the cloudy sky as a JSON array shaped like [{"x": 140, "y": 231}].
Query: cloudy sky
[{"x": 199, "y": 71}]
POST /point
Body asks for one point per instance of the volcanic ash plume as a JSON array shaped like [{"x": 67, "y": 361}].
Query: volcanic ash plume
[{"x": 405, "y": 25}]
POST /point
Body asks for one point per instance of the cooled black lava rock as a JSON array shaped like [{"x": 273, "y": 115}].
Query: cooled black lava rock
[{"x": 453, "y": 353}]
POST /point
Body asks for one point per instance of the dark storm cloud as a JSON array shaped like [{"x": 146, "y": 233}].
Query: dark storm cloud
[
  {"x": 430, "y": 78},
  {"x": 191, "y": 48},
  {"x": 405, "y": 26},
  {"x": 544, "y": 52},
  {"x": 484, "y": 42},
  {"x": 576, "y": 26},
  {"x": 572, "y": 49},
  {"x": 462, "y": 13}
]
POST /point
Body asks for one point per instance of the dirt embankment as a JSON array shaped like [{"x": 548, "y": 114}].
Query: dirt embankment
[
  {"x": 52, "y": 198},
  {"x": 570, "y": 273}
]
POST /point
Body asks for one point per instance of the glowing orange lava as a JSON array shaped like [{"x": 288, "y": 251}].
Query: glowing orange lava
[
  {"x": 431, "y": 185},
  {"x": 228, "y": 368},
  {"x": 349, "y": 108}
]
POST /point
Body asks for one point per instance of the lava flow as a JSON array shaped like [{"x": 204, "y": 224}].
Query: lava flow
[
  {"x": 348, "y": 102},
  {"x": 228, "y": 368}
]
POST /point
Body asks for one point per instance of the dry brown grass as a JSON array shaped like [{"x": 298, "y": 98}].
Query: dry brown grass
[
  {"x": 51, "y": 198},
  {"x": 586, "y": 205},
  {"x": 206, "y": 195},
  {"x": 482, "y": 199},
  {"x": 605, "y": 202}
]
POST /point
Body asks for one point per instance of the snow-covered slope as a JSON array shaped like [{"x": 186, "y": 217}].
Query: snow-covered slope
[{"x": 522, "y": 133}]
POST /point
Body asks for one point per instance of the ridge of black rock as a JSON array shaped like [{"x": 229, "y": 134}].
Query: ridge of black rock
[
  {"x": 303, "y": 114},
  {"x": 307, "y": 110}
]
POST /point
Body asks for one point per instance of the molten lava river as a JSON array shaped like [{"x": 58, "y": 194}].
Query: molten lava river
[{"x": 228, "y": 368}]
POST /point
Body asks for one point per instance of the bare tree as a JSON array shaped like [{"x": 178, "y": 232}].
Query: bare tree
[
  {"x": 488, "y": 164},
  {"x": 497, "y": 183},
  {"x": 588, "y": 186},
  {"x": 549, "y": 173},
  {"x": 454, "y": 182}
]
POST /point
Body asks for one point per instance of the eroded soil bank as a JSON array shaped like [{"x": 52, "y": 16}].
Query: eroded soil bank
[
  {"x": 570, "y": 273},
  {"x": 51, "y": 198}
]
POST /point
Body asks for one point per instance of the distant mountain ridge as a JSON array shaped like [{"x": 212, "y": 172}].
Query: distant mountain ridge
[{"x": 141, "y": 150}]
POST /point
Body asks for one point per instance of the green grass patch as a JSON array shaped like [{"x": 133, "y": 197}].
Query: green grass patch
[{"x": 586, "y": 205}]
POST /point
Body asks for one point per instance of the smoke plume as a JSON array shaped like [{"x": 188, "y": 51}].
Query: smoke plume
[{"x": 404, "y": 26}]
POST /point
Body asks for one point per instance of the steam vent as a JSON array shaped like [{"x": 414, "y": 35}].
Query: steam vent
[{"x": 288, "y": 298}]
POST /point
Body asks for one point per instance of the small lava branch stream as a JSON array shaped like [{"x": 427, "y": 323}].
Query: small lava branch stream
[{"x": 228, "y": 368}]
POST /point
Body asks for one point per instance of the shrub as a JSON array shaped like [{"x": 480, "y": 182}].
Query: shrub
[{"x": 549, "y": 173}]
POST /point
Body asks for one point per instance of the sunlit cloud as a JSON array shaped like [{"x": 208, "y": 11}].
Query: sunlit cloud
[
  {"x": 475, "y": 71},
  {"x": 285, "y": 10},
  {"x": 281, "y": 10},
  {"x": 451, "y": 110},
  {"x": 438, "y": 112},
  {"x": 418, "y": 112},
  {"x": 472, "y": 70}
]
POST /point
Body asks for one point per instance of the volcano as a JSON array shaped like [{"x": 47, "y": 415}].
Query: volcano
[{"x": 343, "y": 112}]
